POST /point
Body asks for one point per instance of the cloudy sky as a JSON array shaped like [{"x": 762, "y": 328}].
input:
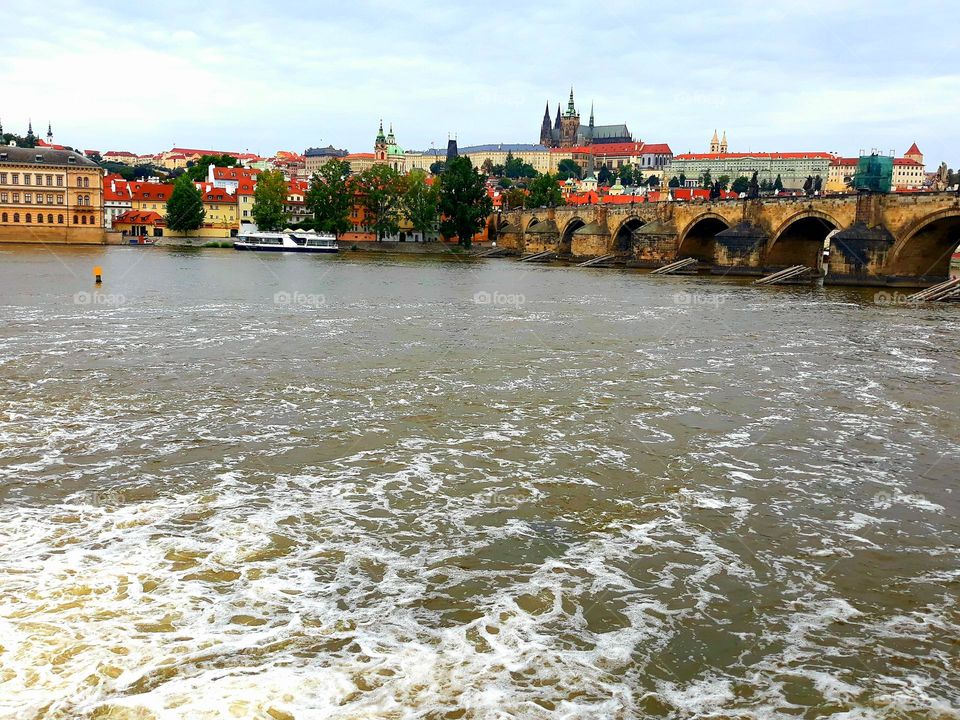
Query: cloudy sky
[{"x": 836, "y": 75}]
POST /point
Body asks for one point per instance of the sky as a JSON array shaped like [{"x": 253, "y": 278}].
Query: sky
[{"x": 821, "y": 75}]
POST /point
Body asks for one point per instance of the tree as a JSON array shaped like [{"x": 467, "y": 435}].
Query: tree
[
  {"x": 330, "y": 197},
  {"x": 464, "y": 202},
  {"x": 604, "y": 176},
  {"x": 198, "y": 171},
  {"x": 569, "y": 169},
  {"x": 545, "y": 192},
  {"x": 683, "y": 180},
  {"x": 778, "y": 185},
  {"x": 516, "y": 168},
  {"x": 185, "y": 211},
  {"x": 654, "y": 182},
  {"x": 766, "y": 185},
  {"x": 674, "y": 182},
  {"x": 498, "y": 170},
  {"x": 626, "y": 175},
  {"x": 515, "y": 198},
  {"x": 740, "y": 185},
  {"x": 705, "y": 179},
  {"x": 381, "y": 188},
  {"x": 487, "y": 167},
  {"x": 437, "y": 167},
  {"x": 269, "y": 200},
  {"x": 724, "y": 181},
  {"x": 505, "y": 183},
  {"x": 421, "y": 206}
]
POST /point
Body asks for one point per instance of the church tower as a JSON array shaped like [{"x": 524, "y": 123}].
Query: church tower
[
  {"x": 49, "y": 134},
  {"x": 723, "y": 144},
  {"x": 545, "y": 134},
  {"x": 569, "y": 124},
  {"x": 715, "y": 143},
  {"x": 380, "y": 145},
  {"x": 30, "y": 137}
]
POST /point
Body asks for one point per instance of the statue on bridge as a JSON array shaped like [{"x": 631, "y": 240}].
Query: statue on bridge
[
  {"x": 753, "y": 189},
  {"x": 716, "y": 191}
]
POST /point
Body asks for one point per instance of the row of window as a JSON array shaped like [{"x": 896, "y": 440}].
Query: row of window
[
  {"x": 28, "y": 217},
  {"x": 28, "y": 198},
  {"x": 38, "y": 179}
]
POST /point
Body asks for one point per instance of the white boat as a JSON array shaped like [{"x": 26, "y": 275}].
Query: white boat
[{"x": 308, "y": 241}]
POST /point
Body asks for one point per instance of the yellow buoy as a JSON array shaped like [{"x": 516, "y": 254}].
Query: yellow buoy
[{"x": 97, "y": 273}]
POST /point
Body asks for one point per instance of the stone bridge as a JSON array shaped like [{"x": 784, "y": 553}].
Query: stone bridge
[{"x": 898, "y": 238}]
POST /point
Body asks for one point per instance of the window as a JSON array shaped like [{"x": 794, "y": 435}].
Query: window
[
  {"x": 26, "y": 178},
  {"x": 28, "y": 198},
  {"x": 3, "y": 197},
  {"x": 50, "y": 218},
  {"x": 86, "y": 182},
  {"x": 39, "y": 217},
  {"x": 59, "y": 198},
  {"x": 59, "y": 180},
  {"x": 29, "y": 217},
  {"x": 16, "y": 178},
  {"x": 16, "y": 217},
  {"x": 49, "y": 180},
  {"x": 76, "y": 219},
  {"x": 3, "y": 217},
  {"x": 39, "y": 179},
  {"x": 83, "y": 220},
  {"x": 49, "y": 198},
  {"x": 16, "y": 197},
  {"x": 60, "y": 219},
  {"x": 3, "y": 178}
]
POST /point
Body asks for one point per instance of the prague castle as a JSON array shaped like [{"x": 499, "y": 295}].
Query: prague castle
[{"x": 566, "y": 131}]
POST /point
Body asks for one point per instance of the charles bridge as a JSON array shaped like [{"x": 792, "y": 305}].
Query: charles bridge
[{"x": 898, "y": 238}]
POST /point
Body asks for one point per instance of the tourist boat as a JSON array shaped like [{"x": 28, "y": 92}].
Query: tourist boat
[
  {"x": 141, "y": 240},
  {"x": 307, "y": 241}
]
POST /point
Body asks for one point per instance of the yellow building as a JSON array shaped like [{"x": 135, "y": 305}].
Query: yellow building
[
  {"x": 49, "y": 195},
  {"x": 220, "y": 209}
]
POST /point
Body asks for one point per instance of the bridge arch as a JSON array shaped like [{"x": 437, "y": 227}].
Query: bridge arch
[
  {"x": 530, "y": 223},
  {"x": 697, "y": 239},
  {"x": 623, "y": 235},
  {"x": 800, "y": 239},
  {"x": 566, "y": 235},
  {"x": 926, "y": 246}
]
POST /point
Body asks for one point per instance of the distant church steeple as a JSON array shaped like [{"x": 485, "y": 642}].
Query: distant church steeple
[
  {"x": 49, "y": 133},
  {"x": 715, "y": 143},
  {"x": 556, "y": 125},
  {"x": 545, "y": 127},
  {"x": 723, "y": 143}
]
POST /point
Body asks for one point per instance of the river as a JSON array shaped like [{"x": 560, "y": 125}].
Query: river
[{"x": 274, "y": 487}]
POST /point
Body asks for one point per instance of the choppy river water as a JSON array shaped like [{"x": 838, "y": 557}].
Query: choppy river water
[{"x": 350, "y": 487}]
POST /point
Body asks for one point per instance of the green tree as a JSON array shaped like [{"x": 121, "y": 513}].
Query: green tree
[
  {"x": 674, "y": 182},
  {"x": 766, "y": 185},
  {"x": 778, "y": 184},
  {"x": 381, "y": 188},
  {"x": 487, "y": 167},
  {"x": 706, "y": 180},
  {"x": 437, "y": 167},
  {"x": 683, "y": 180},
  {"x": 505, "y": 183},
  {"x": 724, "y": 181},
  {"x": 464, "y": 202},
  {"x": 545, "y": 192},
  {"x": 626, "y": 175},
  {"x": 269, "y": 201},
  {"x": 498, "y": 170},
  {"x": 516, "y": 168},
  {"x": 421, "y": 206},
  {"x": 185, "y": 211},
  {"x": 604, "y": 176},
  {"x": 330, "y": 197},
  {"x": 740, "y": 185},
  {"x": 654, "y": 182},
  {"x": 198, "y": 170},
  {"x": 515, "y": 198},
  {"x": 569, "y": 169}
]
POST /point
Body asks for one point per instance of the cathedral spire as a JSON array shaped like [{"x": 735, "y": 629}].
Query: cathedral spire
[
  {"x": 557, "y": 124},
  {"x": 49, "y": 133},
  {"x": 571, "y": 108},
  {"x": 591, "y": 114},
  {"x": 380, "y": 137}
]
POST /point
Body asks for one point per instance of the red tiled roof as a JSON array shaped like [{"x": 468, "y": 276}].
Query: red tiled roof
[
  {"x": 222, "y": 173},
  {"x": 906, "y": 161},
  {"x": 139, "y": 217},
  {"x": 914, "y": 150},
  {"x": 191, "y": 151},
  {"x": 120, "y": 153},
  {"x": 657, "y": 148},
  {"x": 150, "y": 191},
  {"x": 360, "y": 156}
]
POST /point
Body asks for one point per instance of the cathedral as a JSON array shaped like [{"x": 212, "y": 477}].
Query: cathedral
[{"x": 567, "y": 131}]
